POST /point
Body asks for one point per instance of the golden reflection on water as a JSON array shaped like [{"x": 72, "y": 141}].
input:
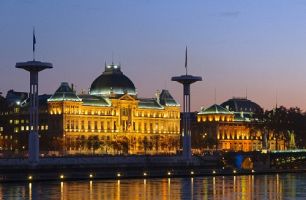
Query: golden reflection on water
[
  {"x": 283, "y": 186},
  {"x": 30, "y": 191},
  {"x": 62, "y": 190},
  {"x": 90, "y": 190}
]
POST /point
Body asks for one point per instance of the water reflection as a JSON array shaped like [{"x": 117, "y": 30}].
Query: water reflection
[{"x": 278, "y": 186}]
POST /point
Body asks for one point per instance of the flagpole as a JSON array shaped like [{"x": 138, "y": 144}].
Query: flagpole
[
  {"x": 186, "y": 60},
  {"x": 34, "y": 42}
]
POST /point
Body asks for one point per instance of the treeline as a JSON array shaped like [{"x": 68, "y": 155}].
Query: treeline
[{"x": 282, "y": 122}]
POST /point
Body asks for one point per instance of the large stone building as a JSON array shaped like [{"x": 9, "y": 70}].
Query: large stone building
[
  {"x": 113, "y": 119},
  {"x": 232, "y": 126}
]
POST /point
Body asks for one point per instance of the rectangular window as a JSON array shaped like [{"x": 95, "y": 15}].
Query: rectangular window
[
  {"x": 96, "y": 125},
  {"x": 16, "y": 110},
  {"x": 89, "y": 125},
  {"x": 68, "y": 124},
  {"x": 102, "y": 125},
  {"x": 82, "y": 125}
]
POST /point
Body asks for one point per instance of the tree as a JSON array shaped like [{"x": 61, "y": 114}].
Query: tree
[
  {"x": 280, "y": 121},
  {"x": 155, "y": 142},
  {"x": 82, "y": 142},
  {"x": 145, "y": 144},
  {"x": 96, "y": 143}
]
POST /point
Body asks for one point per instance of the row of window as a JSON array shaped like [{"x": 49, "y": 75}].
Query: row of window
[
  {"x": 124, "y": 112},
  {"x": 239, "y": 137},
  {"x": 17, "y": 121},
  {"x": 27, "y": 128},
  {"x": 6, "y": 137},
  {"x": 126, "y": 125}
]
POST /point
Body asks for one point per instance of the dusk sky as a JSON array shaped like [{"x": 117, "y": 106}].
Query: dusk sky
[{"x": 235, "y": 45}]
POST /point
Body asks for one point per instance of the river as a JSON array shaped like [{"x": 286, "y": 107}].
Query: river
[{"x": 275, "y": 186}]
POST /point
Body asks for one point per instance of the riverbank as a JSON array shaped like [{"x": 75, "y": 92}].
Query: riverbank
[
  {"x": 120, "y": 167},
  {"x": 102, "y": 167}
]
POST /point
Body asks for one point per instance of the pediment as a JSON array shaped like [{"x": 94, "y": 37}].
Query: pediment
[{"x": 127, "y": 97}]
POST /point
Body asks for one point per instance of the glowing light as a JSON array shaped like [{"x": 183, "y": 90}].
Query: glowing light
[
  {"x": 145, "y": 173},
  {"x": 118, "y": 174},
  {"x": 90, "y": 175},
  {"x": 253, "y": 170},
  {"x": 62, "y": 176},
  {"x": 192, "y": 172},
  {"x": 214, "y": 172},
  {"x": 30, "y": 177},
  {"x": 169, "y": 173},
  {"x": 234, "y": 171}
]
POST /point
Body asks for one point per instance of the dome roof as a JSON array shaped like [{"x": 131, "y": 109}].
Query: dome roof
[
  {"x": 241, "y": 105},
  {"x": 112, "y": 82}
]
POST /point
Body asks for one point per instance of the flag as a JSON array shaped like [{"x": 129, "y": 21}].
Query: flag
[
  {"x": 186, "y": 58},
  {"x": 34, "y": 40}
]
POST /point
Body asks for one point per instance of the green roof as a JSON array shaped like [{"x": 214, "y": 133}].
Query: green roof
[
  {"x": 64, "y": 93},
  {"x": 112, "y": 82},
  {"x": 166, "y": 99},
  {"x": 92, "y": 100},
  {"x": 242, "y": 116},
  {"x": 149, "y": 104},
  {"x": 215, "y": 109}
]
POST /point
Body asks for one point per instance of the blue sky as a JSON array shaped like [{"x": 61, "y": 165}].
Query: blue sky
[{"x": 235, "y": 45}]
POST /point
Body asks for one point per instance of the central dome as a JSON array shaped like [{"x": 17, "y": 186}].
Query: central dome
[{"x": 112, "y": 82}]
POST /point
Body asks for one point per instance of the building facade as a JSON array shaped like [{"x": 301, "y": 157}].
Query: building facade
[
  {"x": 231, "y": 126},
  {"x": 14, "y": 122},
  {"x": 112, "y": 119}
]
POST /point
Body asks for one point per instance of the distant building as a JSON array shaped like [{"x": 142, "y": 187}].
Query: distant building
[
  {"x": 14, "y": 121},
  {"x": 231, "y": 126},
  {"x": 113, "y": 119}
]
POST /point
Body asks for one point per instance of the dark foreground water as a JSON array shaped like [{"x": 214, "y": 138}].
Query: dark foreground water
[{"x": 282, "y": 186}]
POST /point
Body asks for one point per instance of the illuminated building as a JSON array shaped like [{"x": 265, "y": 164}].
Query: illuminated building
[
  {"x": 230, "y": 126},
  {"x": 113, "y": 119}
]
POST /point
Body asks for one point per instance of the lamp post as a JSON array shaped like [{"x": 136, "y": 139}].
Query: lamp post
[
  {"x": 34, "y": 67},
  {"x": 186, "y": 81}
]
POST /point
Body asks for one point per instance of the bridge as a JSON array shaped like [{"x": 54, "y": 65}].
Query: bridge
[
  {"x": 281, "y": 159},
  {"x": 294, "y": 158}
]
